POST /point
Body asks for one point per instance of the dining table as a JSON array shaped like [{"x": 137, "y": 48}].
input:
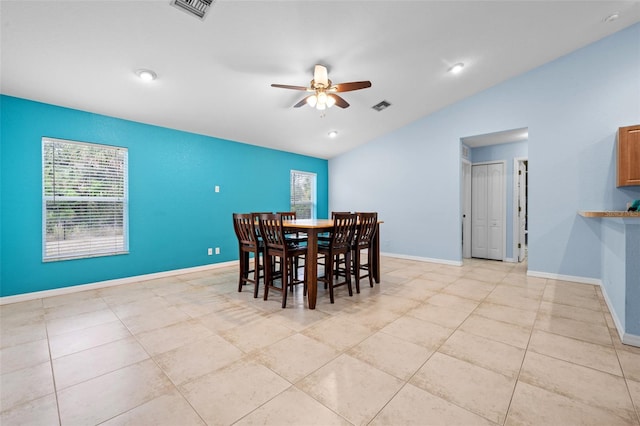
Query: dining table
[{"x": 314, "y": 227}]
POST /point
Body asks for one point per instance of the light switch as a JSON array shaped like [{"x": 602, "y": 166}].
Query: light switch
[{"x": 217, "y": 188}]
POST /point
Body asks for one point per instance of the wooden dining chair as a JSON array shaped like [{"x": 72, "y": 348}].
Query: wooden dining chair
[
  {"x": 278, "y": 247},
  {"x": 337, "y": 247},
  {"x": 248, "y": 244},
  {"x": 365, "y": 231},
  {"x": 299, "y": 238}
]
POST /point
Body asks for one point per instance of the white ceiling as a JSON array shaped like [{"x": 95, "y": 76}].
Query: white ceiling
[{"x": 214, "y": 75}]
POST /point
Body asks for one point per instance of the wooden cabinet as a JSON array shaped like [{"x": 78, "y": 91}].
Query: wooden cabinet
[{"x": 629, "y": 156}]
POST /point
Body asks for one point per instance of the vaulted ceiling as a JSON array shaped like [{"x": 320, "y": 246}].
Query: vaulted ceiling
[{"x": 214, "y": 75}]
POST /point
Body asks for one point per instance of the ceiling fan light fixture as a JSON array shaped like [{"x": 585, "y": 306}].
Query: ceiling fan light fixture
[
  {"x": 456, "y": 68},
  {"x": 331, "y": 101},
  {"x": 312, "y": 101},
  {"x": 146, "y": 75}
]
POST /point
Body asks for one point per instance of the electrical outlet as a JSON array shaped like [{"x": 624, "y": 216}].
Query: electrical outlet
[
  {"x": 217, "y": 250},
  {"x": 217, "y": 188},
  {"x": 209, "y": 251}
]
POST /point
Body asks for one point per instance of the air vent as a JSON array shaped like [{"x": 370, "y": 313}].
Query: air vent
[
  {"x": 380, "y": 106},
  {"x": 197, "y": 8}
]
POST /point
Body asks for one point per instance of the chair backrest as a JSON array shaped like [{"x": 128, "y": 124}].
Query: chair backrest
[
  {"x": 366, "y": 228},
  {"x": 244, "y": 226},
  {"x": 271, "y": 230},
  {"x": 344, "y": 228},
  {"x": 333, "y": 214},
  {"x": 287, "y": 215}
]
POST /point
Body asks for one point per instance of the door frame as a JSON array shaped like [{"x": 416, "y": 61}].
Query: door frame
[
  {"x": 466, "y": 208},
  {"x": 516, "y": 199}
]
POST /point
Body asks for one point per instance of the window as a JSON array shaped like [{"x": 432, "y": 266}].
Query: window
[
  {"x": 303, "y": 194},
  {"x": 84, "y": 200}
]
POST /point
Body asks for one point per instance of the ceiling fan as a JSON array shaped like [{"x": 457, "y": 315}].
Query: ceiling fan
[{"x": 323, "y": 91}]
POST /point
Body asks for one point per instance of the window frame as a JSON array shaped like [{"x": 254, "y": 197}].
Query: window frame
[
  {"x": 117, "y": 248},
  {"x": 313, "y": 202}
]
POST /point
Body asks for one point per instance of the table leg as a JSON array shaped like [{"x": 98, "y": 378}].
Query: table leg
[
  {"x": 311, "y": 265},
  {"x": 375, "y": 246}
]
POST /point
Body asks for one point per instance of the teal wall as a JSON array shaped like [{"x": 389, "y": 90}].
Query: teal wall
[{"x": 174, "y": 212}]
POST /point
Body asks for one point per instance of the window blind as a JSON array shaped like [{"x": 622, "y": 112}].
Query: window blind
[
  {"x": 84, "y": 200},
  {"x": 303, "y": 194}
]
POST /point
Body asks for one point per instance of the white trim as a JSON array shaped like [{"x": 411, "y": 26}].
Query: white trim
[
  {"x": 581, "y": 280},
  {"x": 626, "y": 338},
  {"x": 510, "y": 260},
  {"x": 631, "y": 339},
  {"x": 516, "y": 199},
  {"x": 109, "y": 283},
  {"x": 424, "y": 259}
]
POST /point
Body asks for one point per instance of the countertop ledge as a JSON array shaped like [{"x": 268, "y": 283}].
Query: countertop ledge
[{"x": 590, "y": 213}]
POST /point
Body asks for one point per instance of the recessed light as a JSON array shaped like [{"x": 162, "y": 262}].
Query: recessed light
[
  {"x": 332, "y": 134},
  {"x": 456, "y": 68},
  {"x": 611, "y": 17},
  {"x": 146, "y": 75}
]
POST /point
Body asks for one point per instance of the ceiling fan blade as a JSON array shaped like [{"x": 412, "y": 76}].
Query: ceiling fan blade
[
  {"x": 339, "y": 101},
  {"x": 286, "y": 86},
  {"x": 355, "y": 85},
  {"x": 320, "y": 75},
  {"x": 302, "y": 102}
]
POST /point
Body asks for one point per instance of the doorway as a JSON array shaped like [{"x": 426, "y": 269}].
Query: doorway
[{"x": 520, "y": 208}]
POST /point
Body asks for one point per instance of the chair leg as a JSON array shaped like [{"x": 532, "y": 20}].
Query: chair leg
[
  {"x": 256, "y": 274},
  {"x": 267, "y": 275},
  {"x": 347, "y": 269},
  {"x": 285, "y": 281},
  {"x": 241, "y": 269},
  {"x": 370, "y": 260},
  {"x": 356, "y": 269}
]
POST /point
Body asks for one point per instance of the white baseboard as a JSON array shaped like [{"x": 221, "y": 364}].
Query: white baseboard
[
  {"x": 575, "y": 279},
  {"x": 630, "y": 339},
  {"x": 626, "y": 338},
  {"x": 109, "y": 283},
  {"x": 510, "y": 260},
  {"x": 423, "y": 259}
]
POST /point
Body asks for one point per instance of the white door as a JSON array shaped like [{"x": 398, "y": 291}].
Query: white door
[
  {"x": 487, "y": 211},
  {"x": 479, "y": 218},
  {"x": 466, "y": 209},
  {"x": 522, "y": 210}
]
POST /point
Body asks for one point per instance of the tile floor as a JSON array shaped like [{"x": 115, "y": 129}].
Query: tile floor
[{"x": 432, "y": 344}]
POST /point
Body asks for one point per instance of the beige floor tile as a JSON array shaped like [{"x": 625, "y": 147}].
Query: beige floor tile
[
  {"x": 18, "y": 335},
  {"x": 499, "y": 331},
  {"x": 535, "y": 406},
  {"x": 168, "y": 409},
  {"x": 296, "y": 356},
  {"x": 172, "y": 336},
  {"x": 86, "y": 338},
  {"x": 257, "y": 334},
  {"x": 338, "y": 332},
  {"x": 107, "y": 396},
  {"x": 393, "y": 355},
  {"x": 634, "y": 390},
  {"x": 20, "y": 317},
  {"x": 454, "y": 302},
  {"x": 198, "y": 358},
  {"x": 417, "y": 289},
  {"x": 293, "y": 407},
  {"x": 74, "y": 308},
  {"x": 86, "y": 296},
  {"x": 414, "y": 406},
  {"x": 228, "y": 394},
  {"x": 352, "y": 388},
  {"x": 25, "y": 355},
  {"x": 521, "y": 317},
  {"x": 229, "y": 317},
  {"x": 579, "y": 383},
  {"x": 557, "y": 294},
  {"x": 587, "y": 354},
  {"x": 140, "y": 307},
  {"x": 154, "y": 319},
  {"x": 79, "y": 322},
  {"x": 298, "y": 319},
  {"x": 446, "y": 317},
  {"x": 469, "y": 288},
  {"x": 39, "y": 412},
  {"x": 490, "y": 354},
  {"x": 466, "y": 385},
  {"x": 80, "y": 366},
  {"x": 420, "y": 332},
  {"x": 588, "y": 332},
  {"x": 439, "y": 276},
  {"x": 375, "y": 317},
  {"x": 27, "y": 384},
  {"x": 551, "y": 310},
  {"x": 630, "y": 365}
]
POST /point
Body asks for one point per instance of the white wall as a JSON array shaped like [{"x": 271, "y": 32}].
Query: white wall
[{"x": 572, "y": 107}]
